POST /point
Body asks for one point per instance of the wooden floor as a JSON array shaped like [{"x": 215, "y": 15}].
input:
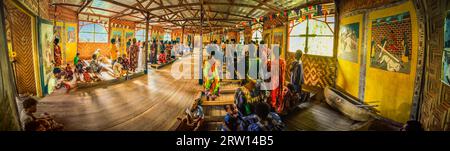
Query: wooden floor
[
  {"x": 312, "y": 116},
  {"x": 150, "y": 102}
]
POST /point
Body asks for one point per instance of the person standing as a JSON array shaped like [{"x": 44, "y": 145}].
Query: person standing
[
  {"x": 113, "y": 51},
  {"x": 133, "y": 53},
  {"x": 296, "y": 72},
  {"x": 57, "y": 53}
]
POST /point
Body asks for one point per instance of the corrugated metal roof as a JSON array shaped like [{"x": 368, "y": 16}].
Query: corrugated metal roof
[{"x": 166, "y": 9}]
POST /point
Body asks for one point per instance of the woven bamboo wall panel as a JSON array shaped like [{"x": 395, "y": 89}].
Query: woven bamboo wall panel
[
  {"x": 319, "y": 71},
  {"x": 435, "y": 106},
  {"x": 22, "y": 44},
  {"x": 86, "y": 50}
]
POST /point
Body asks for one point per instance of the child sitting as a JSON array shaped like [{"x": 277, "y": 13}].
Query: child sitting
[
  {"x": 263, "y": 119},
  {"x": 162, "y": 58},
  {"x": 118, "y": 68},
  {"x": 194, "y": 117},
  {"x": 69, "y": 72},
  {"x": 232, "y": 121},
  {"x": 32, "y": 123}
]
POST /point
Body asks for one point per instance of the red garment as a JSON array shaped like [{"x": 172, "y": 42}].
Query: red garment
[
  {"x": 277, "y": 95},
  {"x": 57, "y": 55},
  {"x": 133, "y": 53},
  {"x": 162, "y": 58},
  {"x": 87, "y": 77}
]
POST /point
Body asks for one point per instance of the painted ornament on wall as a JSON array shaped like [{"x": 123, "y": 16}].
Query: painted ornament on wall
[
  {"x": 349, "y": 42},
  {"x": 446, "y": 52},
  {"x": 57, "y": 32},
  {"x": 46, "y": 45},
  {"x": 70, "y": 34},
  {"x": 129, "y": 36},
  {"x": 391, "y": 43}
]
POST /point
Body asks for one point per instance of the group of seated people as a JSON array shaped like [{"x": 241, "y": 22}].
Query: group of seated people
[
  {"x": 30, "y": 122},
  {"x": 168, "y": 50},
  {"x": 262, "y": 119}
]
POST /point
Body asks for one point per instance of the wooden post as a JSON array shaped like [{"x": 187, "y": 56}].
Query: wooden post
[
  {"x": 201, "y": 44},
  {"x": 182, "y": 35},
  {"x": 146, "y": 43}
]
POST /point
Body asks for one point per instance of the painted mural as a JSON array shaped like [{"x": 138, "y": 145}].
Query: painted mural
[
  {"x": 391, "y": 43},
  {"x": 446, "y": 52},
  {"x": 57, "y": 32},
  {"x": 349, "y": 42},
  {"x": 46, "y": 46},
  {"x": 71, "y": 34},
  {"x": 129, "y": 35}
]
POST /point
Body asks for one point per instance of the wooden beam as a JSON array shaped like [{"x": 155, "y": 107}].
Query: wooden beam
[
  {"x": 84, "y": 6},
  {"x": 127, "y": 6},
  {"x": 142, "y": 7},
  {"x": 273, "y": 8},
  {"x": 106, "y": 10},
  {"x": 209, "y": 3},
  {"x": 213, "y": 19},
  {"x": 125, "y": 10},
  {"x": 254, "y": 9},
  {"x": 124, "y": 5},
  {"x": 149, "y": 3}
]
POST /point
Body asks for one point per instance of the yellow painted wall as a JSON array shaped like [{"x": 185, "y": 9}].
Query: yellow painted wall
[
  {"x": 122, "y": 37},
  {"x": 68, "y": 49},
  {"x": 348, "y": 72},
  {"x": 71, "y": 47},
  {"x": 62, "y": 42},
  {"x": 393, "y": 91},
  {"x": 283, "y": 44},
  {"x": 122, "y": 49},
  {"x": 270, "y": 39}
]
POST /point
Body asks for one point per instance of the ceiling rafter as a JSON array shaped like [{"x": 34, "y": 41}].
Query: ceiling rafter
[
  {"x": 83, "y": 6},
  {"x": 139, "y": 4},
  {"x": 273, "y": 8},
  {"x": 127, "y": 6},
  {"x": 90, "y": 7},
  {"x": 125, "y": 10}
]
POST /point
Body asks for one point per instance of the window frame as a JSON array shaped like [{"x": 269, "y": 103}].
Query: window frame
[
  {"x": 307, "y": 36},
  {"x": 93, "y": 32}
]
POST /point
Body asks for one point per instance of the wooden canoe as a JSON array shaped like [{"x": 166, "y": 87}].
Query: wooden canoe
[{"x": 346, "y": 105}]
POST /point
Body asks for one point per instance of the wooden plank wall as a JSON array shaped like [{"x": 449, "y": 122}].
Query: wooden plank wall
[{"x": 435, "y": 105}]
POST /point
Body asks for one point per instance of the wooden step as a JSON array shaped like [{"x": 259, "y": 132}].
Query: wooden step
[
  {"x": 215, "y": 103},
  {"x": 212, "y": 126},
  {"x": 223, "y": 99},
  {"x": 214, "y": 118}
]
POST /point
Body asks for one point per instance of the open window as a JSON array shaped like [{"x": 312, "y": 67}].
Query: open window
[
  {"x": 313, "y": 36},
  {"x": 93, "y": 33}
]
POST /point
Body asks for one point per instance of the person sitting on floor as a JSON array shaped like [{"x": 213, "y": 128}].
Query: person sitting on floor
[
  {"x": 69, "y": 72},
  {"x": 32, "y": 123},
  {"x": 263, "y": 119},
  {"x": 233, "y": 119},
  {"x": 118, "y": 68},
  {"x": 162, "y": 58},
  {"x": 193, "y": 119},
  {"x": 79, "y": 70},
  {"x": 95, "y": 65}
]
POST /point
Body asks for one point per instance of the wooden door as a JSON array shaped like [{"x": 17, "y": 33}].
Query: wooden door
[{"x": 22, "y": 44}]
